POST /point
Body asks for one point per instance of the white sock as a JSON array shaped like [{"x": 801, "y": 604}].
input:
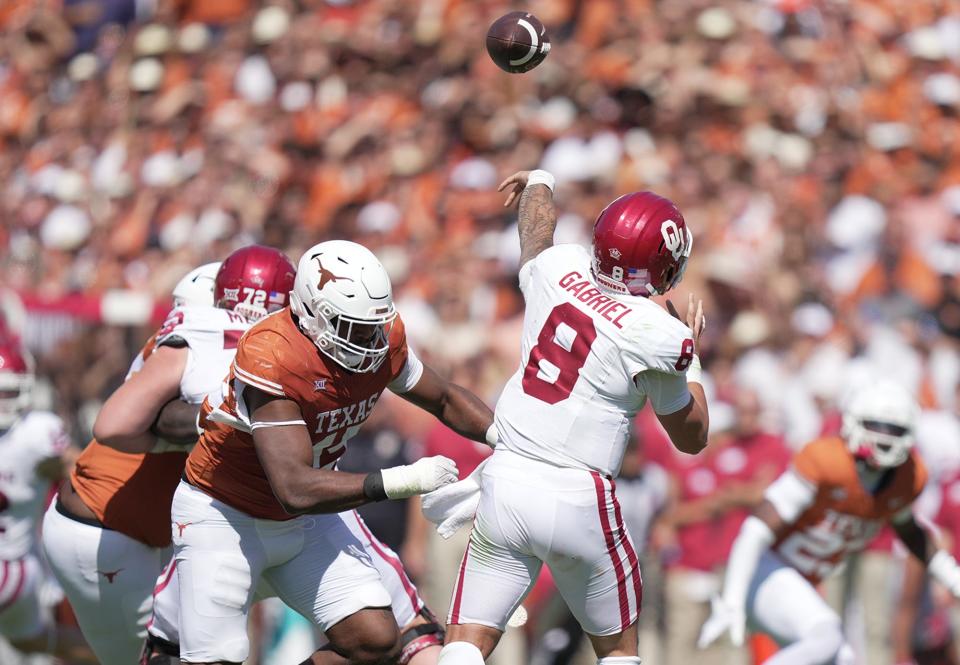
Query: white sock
[
  {"x": 460, "y": 653},
  {"x": 619, "y": 660}
]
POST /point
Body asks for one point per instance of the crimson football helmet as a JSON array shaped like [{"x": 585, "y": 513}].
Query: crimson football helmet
[
  {"x": 254, "y": 281},
  {"x": 640, "y": 245},
  {"x": 16, "y": 383}
]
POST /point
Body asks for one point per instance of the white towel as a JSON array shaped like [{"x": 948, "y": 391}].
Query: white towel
[{"x": 454, "y": 505}]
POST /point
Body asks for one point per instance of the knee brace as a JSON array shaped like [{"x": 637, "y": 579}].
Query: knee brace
[
  {"x": 416, "y": 639},
  {"x": 460, "y": 653}
]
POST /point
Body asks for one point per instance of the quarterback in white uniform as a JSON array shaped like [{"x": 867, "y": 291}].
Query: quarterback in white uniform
[
  {"x": 34, "y": 452},
  {"x": 594, "y": 349}
]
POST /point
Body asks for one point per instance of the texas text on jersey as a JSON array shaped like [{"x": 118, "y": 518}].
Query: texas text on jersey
[
  {"x": 104, "y": 478},
  {"x": 591, "y": 351},
  {"x": 845, "y": 516},
  {"x": 275, "y": 357}
]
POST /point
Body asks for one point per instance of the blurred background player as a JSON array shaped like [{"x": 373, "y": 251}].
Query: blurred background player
[
  {"x": 107, "y": 536},
  {"x": 260, "y": 495},
  {"x": 830, "y": 504},
  {"x": 35, "y": 452},
  {"x": 597, "y": 349}
]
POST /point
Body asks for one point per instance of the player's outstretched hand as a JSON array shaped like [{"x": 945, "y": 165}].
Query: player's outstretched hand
[
  {"x": 424, "y": 475},
  {"x": 695, "y": 320},
  {"x": 723, "y": 618},
  {"x": 517, "y": 182}
]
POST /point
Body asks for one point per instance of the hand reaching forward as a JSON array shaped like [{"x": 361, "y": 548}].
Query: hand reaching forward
[{"x": 695, "y": 320}]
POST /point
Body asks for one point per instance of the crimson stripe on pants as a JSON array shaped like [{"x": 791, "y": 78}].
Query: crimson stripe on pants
[
  {"x": 458, "y": 594},
  {"x": 394, "y": 563},
  {"x": 4, "y": 576},
  {"x": 612, "y": 550},
  {"x": 18, "y": 589},
  {"x": 628, "y": 547}
]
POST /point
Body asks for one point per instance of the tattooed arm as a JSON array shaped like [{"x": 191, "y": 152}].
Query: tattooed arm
[{"x": 537, "y": 216}]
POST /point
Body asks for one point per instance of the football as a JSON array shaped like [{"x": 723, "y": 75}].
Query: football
[{"x": 518, "y": 42}]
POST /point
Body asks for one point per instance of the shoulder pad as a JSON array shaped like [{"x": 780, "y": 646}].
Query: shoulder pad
[
  {"x": 186, "y": 325},
  {"x": 659, "y": 341}
]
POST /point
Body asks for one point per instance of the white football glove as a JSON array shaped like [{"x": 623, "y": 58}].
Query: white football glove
[
  {"x": 424, "y": 475},
  {"x": 723, "y": 618}
]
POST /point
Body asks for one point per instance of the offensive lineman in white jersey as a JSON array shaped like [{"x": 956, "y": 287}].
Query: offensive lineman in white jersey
[
  {"x": 34, "y": 453},
  {"x": 594, "y": 349},
  {"x": 107, "y": 535}
]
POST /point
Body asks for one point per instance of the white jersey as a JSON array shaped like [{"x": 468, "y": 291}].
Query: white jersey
[
  {"x": 211, "y": 336},
  {"x": 34, "y": 438},
  {"x": 590, "y": 360}
]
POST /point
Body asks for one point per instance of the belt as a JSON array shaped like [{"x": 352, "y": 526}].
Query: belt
[{"x": 89, "y": 521}]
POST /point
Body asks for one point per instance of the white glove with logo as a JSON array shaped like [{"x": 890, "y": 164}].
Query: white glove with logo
[
  {"x": 723, "y": 618},
  {"x": 424, "y": 475}
]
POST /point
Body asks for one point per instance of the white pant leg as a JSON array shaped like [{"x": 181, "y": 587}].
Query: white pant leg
[
  {"x": 531, "y": 512},
  {"x": 781, "y": 603},
  {"x": 593, "y": 560},
  {"x": 22, "y": 615},
  {"x": 313, "y": 563},
  {"x": 332, "y": 576},
  {"x": 165, "y": 620},
  {"x": 498, "y": 567},
  {"x": 108, "y": 578},
  {"x": 219, "y": 556},
  {"x": 404, "y": 597}
]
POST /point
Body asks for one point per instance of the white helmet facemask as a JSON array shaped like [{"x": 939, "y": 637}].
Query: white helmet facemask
[
  {"x": 879, "y": 424},
  {"x": 344, "y": 303}
]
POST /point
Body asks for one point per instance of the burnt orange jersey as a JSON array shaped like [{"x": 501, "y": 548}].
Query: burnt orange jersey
[
  {"x": 278, "y": 359},
  {"x": 844, "y": 516}
]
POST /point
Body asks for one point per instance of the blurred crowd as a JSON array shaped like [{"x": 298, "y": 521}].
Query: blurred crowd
[{"x": 813, "y": 146}]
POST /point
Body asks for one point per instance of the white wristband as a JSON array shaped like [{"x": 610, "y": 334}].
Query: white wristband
[
  {"x": 695, "y": 371},
  {"x": 945, "y": 570},
  {"x": 541, "y": 177},
  {"x": 492, "y": 436}
]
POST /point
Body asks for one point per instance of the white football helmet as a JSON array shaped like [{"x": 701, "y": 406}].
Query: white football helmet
[
  {"x": 879, "y": 424},
  {"x": 344, "y": 302},
  {"x": 16, "y": 382},
  {"x": 196, "y": 287}
]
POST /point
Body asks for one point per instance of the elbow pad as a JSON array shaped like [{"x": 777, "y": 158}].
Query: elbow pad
[{"x": 755, "y": 538}]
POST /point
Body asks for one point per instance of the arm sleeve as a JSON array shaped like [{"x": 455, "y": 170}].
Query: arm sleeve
[
  {"x": 754, "y": 539},
  {"x": 409, "y": 374},
  {"x": 668, "y": 393},
  {"x": 51, "y": 436},
  {"x": 790, "y": 495}
]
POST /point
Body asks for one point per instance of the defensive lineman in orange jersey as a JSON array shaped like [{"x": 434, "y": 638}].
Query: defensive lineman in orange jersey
[
  {"x": 260, "y": 489},
  {"x": 830, "y": 504}
]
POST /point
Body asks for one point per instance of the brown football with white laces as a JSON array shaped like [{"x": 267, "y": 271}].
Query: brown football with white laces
[{"x": 517, "y": 42}]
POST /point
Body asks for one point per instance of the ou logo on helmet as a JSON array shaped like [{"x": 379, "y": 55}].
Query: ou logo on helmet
[{"x": 672, "y": 239}]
